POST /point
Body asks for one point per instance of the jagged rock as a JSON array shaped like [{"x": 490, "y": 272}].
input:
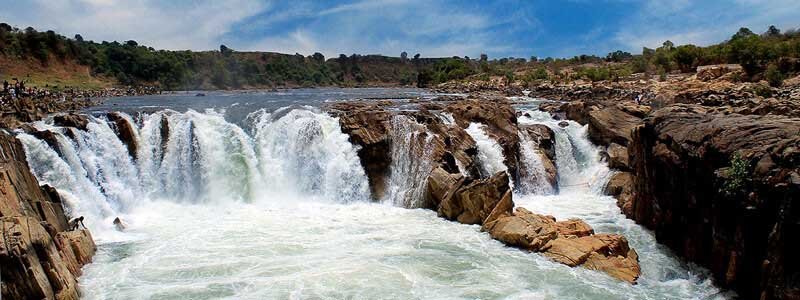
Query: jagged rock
[
  {"x": 442, "y": 185},
  {"x": 49, "y": 137},
  {"x": 370, "y": 126},
  {"x": 164, "y": 131},
  {"x": 544, "y": 137},
  {"x": 473, "y": 202},
  {"x": 620, "y": 186},
  {"x": 126, "y": 132},
  {"x": 570, "y": 242},
  {"x": 523, "y": 229},
  {"x": 611, "y": 125},
  {"x": 745, "y": 235},
  {"x": 40, "y": 260},
  {"x": 618, "y": 157},
  {"x": 71, "y": 120},
  {"x": 500, "y": 119}
]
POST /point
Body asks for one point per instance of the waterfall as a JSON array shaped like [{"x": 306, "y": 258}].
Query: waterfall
[
  {"x": 578, "y": 161},
  {"x": 305, "y": 151},
  {"x": 535, "y": 179},
  {"x": 299, "y": 153},
  {"x": 411, "y": 149},
  {"x": 490, "y": 154}
]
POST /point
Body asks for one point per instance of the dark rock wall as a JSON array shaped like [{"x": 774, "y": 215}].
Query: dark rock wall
[
  {"x": 39, "y": 258},
  {"x": 746, "y": 237}
]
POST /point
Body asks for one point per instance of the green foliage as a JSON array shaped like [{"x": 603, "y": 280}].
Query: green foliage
[
  {"x": 445, "y": 70},
  {"x": 737, "y": 176},
  {"x": 774, "y": 76},
  {"x": 763, "y": 91},
  {"x": 539, "y": 73}
]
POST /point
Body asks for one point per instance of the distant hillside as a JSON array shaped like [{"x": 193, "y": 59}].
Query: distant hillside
[{"x": 49, "y": 58}]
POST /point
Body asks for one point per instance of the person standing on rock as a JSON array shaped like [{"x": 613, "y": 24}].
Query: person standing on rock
[{"x": 76, "y": 222}]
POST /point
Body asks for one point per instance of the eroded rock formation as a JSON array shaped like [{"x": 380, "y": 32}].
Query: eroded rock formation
[
  {"x": 40, "y": 258},
  {"x": 744, "y": 233}
]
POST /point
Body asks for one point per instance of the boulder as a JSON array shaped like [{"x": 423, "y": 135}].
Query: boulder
[
  {"x": 523, "y": 229},
  {"x": 618, "y": 157},
  {"x": 473, "y": 202},
  {"x": 71, "y": 120},
  {"x": 126, "y": 132},
  {"x": 48, "y": 137},
  {"x": 611, "y": 125}
]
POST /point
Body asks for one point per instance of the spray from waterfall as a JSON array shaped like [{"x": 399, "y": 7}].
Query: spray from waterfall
[
  {"x": 490, "y": 154},
  {"x": 411, "y": 149},
  {"x": 578, "y": 161},
  {"x": 198, "y": 157}
]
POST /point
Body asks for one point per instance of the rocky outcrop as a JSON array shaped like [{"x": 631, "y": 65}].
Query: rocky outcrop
[
  {"x": 125, "y": 131},
  {"x": 570, "y": 242},
  {"x": 474, "y": 201},
  {"x": 720, "y": 190},
  {"x": 371, "y": 126},
  {"x": 620, "y": 186},
  {"x": 500, "y": 119},
  {"x": 71, "y": 120},
  {"x": 40, "y": 259},
  {"x": 618, "y": 157},
  {"x": 612, "y": 125}
]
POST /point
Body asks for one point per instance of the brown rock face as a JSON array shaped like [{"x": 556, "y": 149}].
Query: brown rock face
[
  {"x": 39, "y": 259},
  {"x": 612, "y": 125},
  {"x": 570, "y": 242},
  {"x": 125, "y": 132},
  {"x": 621, "y": 187},
  {"x": 372, "y": 126},
  {"x": 745, "y": 233},
  {"x": 500, "y": 119},
  {"x": 71, "y": 120},
  {"x": 473, "y": 202},
  {"x": 618, "y": 157}
]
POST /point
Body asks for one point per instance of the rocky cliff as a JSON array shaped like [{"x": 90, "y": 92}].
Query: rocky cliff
[
  {"x": 39, "y": 257},
  {"x": 721, "y": 190}
]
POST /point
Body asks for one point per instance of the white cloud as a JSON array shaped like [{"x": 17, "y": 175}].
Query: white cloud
[
  {"x": 165, "y": 25},
  {"x": 702, "y": 23}
]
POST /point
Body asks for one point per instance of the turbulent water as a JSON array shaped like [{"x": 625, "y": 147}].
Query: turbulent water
[{"x": 275, "y": 205}]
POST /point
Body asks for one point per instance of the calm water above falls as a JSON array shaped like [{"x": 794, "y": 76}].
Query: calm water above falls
[{"x": 272, "y": 203}]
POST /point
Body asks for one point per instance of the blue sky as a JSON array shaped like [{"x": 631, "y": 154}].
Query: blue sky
[{"x": 429, "y": 27}]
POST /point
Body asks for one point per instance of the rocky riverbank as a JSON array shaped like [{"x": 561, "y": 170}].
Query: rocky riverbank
[
  {"x": 41, "y": 258},
  {"x": 711, "y": 166}
]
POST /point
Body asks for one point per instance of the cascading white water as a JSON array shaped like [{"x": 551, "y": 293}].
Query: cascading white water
[
  {"x": 582, "y": 175},
  {"x": 490, "y": 154},
  {"x": 305, "y": 151},
  {"x": 411, "y": 147},
  {"x": 219, "y": 211},
  {"x": 535, "y": 179},
  {"x": 204, "y": 159}
]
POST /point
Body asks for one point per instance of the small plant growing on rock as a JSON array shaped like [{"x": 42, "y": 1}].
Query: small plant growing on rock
[
  {"x": 762, "y": 90},
  {"x": 736, "y": 176}
]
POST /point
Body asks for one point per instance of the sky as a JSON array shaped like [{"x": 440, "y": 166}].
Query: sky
[{"x": 432, "y": 28}]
